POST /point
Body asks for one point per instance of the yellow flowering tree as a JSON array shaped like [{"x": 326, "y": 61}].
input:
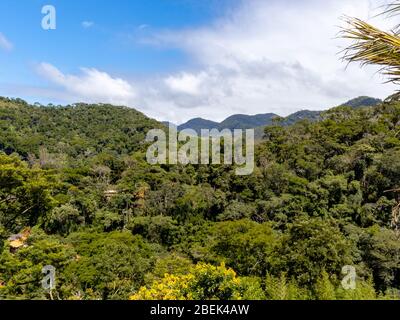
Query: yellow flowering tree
[{"x": 202, "y": 282}]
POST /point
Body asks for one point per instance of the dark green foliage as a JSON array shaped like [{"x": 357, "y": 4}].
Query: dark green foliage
[
  {"x": 323, "y": 195},
  {"x": 74, "y": 131}
]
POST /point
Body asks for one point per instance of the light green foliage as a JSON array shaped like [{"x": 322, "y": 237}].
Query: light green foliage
[
  {"x": 202, "y": 282},
  {"x": 322, "y": 195},
  {"x": 244, "y": 245},
  {"x": 21, "y": 272},
  {"x": 280, "y": 288},
  {"x": 109, "y": 264},
  {"x": 312, "y": 246}
]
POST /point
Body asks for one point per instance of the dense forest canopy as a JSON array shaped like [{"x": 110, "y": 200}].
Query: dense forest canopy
[{"x": 77, "y": 193}]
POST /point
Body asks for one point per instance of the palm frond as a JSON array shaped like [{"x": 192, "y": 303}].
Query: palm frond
[
  {"x": 392, "y": 9},
  {"x": 372, "y": 46}
]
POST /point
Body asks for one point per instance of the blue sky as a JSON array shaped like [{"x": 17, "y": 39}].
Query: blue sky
[
  {"x": 177, "y": 59},
  {"x": 107, "y": 43}
]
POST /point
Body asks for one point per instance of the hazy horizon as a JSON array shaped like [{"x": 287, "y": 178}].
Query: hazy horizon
[{"x": 181, "y": 59}]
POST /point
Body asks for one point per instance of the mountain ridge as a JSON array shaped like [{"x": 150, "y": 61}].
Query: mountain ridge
[{"x": 243, "y": 121}]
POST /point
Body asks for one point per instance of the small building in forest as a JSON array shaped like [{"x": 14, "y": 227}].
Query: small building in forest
[{"x": 17, "y": 241}]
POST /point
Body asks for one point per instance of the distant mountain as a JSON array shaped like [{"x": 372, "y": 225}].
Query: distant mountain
[
  {"x": 237, "y": 121},
  {"x": 362, "y": 101},
  {"x": 241, "y": 121},
  {"x": 259, "y": 121},
  {"x": 198, "y": 123},
  {"x": 302, "y": 115}
]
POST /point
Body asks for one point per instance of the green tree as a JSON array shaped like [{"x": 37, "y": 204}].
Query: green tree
[{"x": 203, "y": 282}]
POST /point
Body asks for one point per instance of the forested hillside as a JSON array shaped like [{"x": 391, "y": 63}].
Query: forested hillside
[
  {"x": 259, "y": 121},
  {"x": 77, "y": 193},
  {"x": 78, "y": 130}
]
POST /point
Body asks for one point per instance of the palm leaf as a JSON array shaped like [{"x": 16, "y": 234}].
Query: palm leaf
[
  {"x": 392, "y": 9},
  {"x": 372, "y": 46}
]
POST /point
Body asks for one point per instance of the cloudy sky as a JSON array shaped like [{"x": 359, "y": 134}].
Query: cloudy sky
[{"x": 179, "y": 59}]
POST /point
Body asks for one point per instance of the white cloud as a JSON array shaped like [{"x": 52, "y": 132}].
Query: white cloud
[
  {"x": 262, "y": 56},
  {"x": 87, "y": 24},
  {"x": 90, "y": 85},
  {"x": 5, "y": 44},
  {"x": 268, "y": 56},
  {"x": 186, "y": 83}
]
